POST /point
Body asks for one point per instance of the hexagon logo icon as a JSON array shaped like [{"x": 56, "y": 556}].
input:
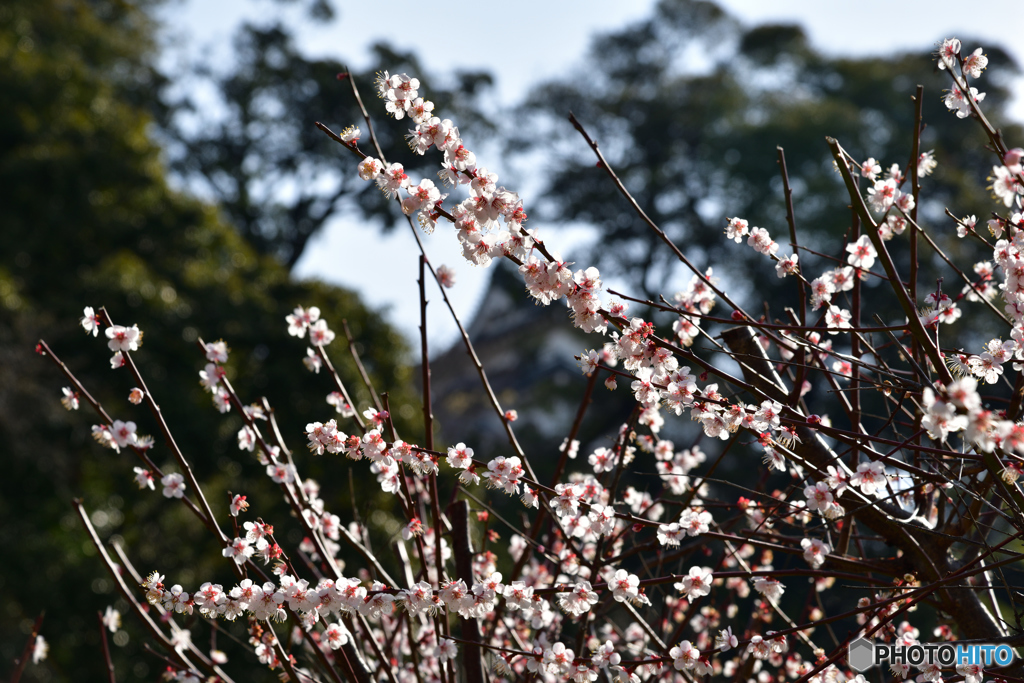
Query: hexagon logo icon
[{"x": 861, "y": 654}]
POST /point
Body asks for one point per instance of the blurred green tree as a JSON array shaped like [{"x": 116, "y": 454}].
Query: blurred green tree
[
  {"x": 689, "y": 106},
  {"x": 88, "y": 219},
  {"x": 258, "y": 153}
]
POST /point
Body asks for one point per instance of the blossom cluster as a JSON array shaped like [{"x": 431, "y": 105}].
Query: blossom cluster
[{"x": 585, "y": 551}]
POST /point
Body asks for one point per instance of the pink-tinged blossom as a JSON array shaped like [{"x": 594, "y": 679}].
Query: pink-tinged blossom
[
  {"x": 412, "y": 529},
  {"x": 762, "y": 242},
  {"x": 123, "y": 338},
  {"x": 300, "y": 320},
  {"x": 603, "y": 460},
  {"x": 870, "y": 478},
  {"x": 70, "y": 398},
  {"x": 737, "y": 229},
  {"x": 210, "y": 598},
  {"x": 862, "y": 253},
  {"x": 217, "y": 352},
  {"x": 446, "y": 276},
  {"x": 123, "y": 433},
  {"x": 643, "y": 387},
  {"x": 246, "y": 439},
  {"x": 684, "y": 656},
  {"x": 768, "y": 587},
  {"x": 335, "y": 635},
  {"x": 144, "y": 478},
  {"x": 926, "y": 163},
  {"x": 893, "y": 225},
  {"x": 696, "y": 583},
  {"x": 460, "y": 456},
  {"x": 579, "y": 601},
  {"x": 529, "y": 497},
  {"x": 504, "y": 473},
  {"x": 558, "y": 659},
  {"x": 837, "y": 319},
  {"x": 787, "y": 266},
  {"x": 815, "y": 551},
  {"x": 819, "y": 497},
  {"x": 948, "y": 51},
  {"x": 446, "y": 649},
  {"x": 567, "y": 499},
  {"x": 670, "y": 534},
  {"x": 90, "y": 322},
  {"x": 975, "y": 63},
  {"x": 625, "y": 587},
  {"x": 392, "y": 179},
  {"x": 238, "y": 504},
  {"x": 176, "y": 600},
  {"x": 986, "y": 367},
  {"x": 341, "y": 406},
  {"x": 320, "y": 334},
  {"x": 870, "y": 169},
  {"x": 351, "y": 134},
  {"x": 956, "y": 101},
  {"x": 695, "y": 523},
  {"x": 281, "y": 474},
  {"x": 589, "y": 360},
  {"x": 210, "y": 376},
  {"x": 1005, "y": 185},
  {"x": 422, "y": 196},
  {"x": 725, "y": 640},
  {"x": 882, "y": 195},
  {"x": 102, "y": 435},
  {"x": 369, "y": 168},
  {"x": 174, "y": 485}
]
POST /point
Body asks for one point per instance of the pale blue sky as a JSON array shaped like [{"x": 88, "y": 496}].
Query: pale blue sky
[{"x": 523, "y": 43}]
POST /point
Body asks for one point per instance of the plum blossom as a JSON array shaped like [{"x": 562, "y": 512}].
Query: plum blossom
[
  {"x": 762, "y": 242},
  {"x": 320, "y": 334},
  {"x": 837, "y": 319},
  {"x": 70, "y": 398},
  {"x": 768, "y": 587},
  {"x": 684, "y": 656},
  {"x": 862, "y": 253},
  {"x": 217, "y": 352},
  {"x": 725, "y": 640},
  {"x": 580, "y": 600},
  {"x": 737, "y": 229},
  {"x": 975, "y": 63},
  {"x": 90, "y": 322},
  {"x": 460, "y": 456},
  {"x": 446, "y": 276},
  {"x": 815, "y": 551},
  {"x": 625, "y": 587},
  {"x": 869, "y": 477},
  {"x": 948, "y": 51},
  {"x": 959, "y": 102},
  {"x": 696, "y": 583},
  {"x": 787, "y": 266},
  {"x": 144, "y": 478},
  {"x": 174, "y": 485},
  {"x": 40, "y": 649},
  {"x": 301, "y": 319},
  {"x": 123, "y": 338}
]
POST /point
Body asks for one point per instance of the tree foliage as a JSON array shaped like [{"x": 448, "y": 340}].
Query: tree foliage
[
  {"x": 273, "y": 173},
  {"x": 689, "y": 105},
  {"x": 89, "y": 219}
]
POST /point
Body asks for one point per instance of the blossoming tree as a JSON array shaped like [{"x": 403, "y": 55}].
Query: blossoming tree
[{"x": 898, "y": 519}]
